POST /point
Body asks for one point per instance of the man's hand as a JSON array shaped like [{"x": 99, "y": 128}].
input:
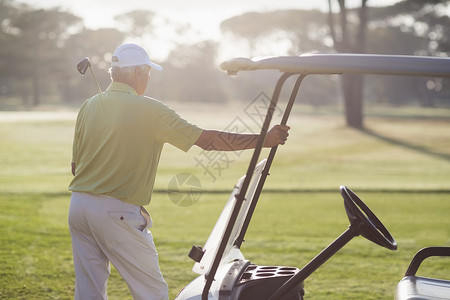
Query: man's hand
[{"x": 277, "y": 135}]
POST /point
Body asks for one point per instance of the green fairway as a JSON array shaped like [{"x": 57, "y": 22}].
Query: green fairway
[{"x": 400, "y": 166}]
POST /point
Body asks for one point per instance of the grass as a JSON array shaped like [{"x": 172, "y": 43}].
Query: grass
[{"x": 399, "y": 166}]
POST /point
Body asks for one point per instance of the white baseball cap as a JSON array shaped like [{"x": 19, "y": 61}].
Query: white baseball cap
[{"x": 128, "y": 55}]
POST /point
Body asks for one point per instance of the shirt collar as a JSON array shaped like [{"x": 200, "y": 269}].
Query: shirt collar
[{"x": 121, "y": 87}]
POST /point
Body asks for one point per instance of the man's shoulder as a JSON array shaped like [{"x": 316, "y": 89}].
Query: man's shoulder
[{"x": 152, "y": 102}]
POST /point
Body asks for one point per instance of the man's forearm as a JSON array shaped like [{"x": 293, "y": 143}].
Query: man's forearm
[
  {"x": 226, "y": 141},
  {"x": 230, "y": 141}
]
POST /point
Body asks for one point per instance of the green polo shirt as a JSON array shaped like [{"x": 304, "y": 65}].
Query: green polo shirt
[{"x": 118, "y": 141}]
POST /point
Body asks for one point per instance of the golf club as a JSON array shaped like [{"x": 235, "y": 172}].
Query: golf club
[{"x": 83, "y": 65}]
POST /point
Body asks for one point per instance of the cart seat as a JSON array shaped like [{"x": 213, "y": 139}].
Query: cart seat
[{"x": 413, "y": 287}]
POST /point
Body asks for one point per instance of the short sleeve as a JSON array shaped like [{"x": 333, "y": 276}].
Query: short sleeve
[{"x": 171, "y": 128}]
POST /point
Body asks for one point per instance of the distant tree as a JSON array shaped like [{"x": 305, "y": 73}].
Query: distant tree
[
  {"x": 311, "y": 31},
  {"x": 350, "y": 37},
  {"x": 413, "y": 27},
  {"x": 137, "y": 22},
  {"x": 304, "y": 29},
  {"x": 190, "y": 74},
  {"x": 38, "y": 42},
  {"x": 422, "y": 19},
  {"x": 8, "y": 36},
  {"x": 7, "y": 33}
]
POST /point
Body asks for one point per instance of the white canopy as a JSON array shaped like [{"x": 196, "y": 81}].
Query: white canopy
[{"x": 345, "y": 63}]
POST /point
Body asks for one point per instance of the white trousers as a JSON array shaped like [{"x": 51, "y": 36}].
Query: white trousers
[{"x": 105, "y": 230}]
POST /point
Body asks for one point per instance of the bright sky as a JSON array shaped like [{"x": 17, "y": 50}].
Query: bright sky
[
  {"x": 204, "y": 16},
  {"x": 100, "y": 13}
]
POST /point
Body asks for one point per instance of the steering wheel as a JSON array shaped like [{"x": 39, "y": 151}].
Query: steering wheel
[{"x": 364, "y": 222}]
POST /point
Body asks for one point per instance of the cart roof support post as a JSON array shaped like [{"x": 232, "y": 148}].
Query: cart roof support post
[
  {"x": 270, "y": 158},
  {"x": 241, "y": 196}
]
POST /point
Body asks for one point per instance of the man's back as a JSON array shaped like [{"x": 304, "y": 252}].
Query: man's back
[{"x": 118, "y": 141}]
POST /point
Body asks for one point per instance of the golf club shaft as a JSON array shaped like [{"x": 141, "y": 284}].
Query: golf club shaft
[{"x": 95, "y": 78}]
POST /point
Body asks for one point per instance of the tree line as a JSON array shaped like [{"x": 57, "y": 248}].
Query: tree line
[{"x": 40, "y": 48}]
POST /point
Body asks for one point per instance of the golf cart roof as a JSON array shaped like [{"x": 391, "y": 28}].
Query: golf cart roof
[{"x": 344, "y": 63}]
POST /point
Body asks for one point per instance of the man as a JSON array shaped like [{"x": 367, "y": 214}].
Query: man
[{"x": 118, "y": 140}]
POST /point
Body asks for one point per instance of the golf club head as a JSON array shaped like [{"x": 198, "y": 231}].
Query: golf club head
[{"x": 83, "y": 65}]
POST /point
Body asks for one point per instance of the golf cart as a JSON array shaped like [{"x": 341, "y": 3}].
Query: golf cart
[{"x": 224, "y": 273}]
